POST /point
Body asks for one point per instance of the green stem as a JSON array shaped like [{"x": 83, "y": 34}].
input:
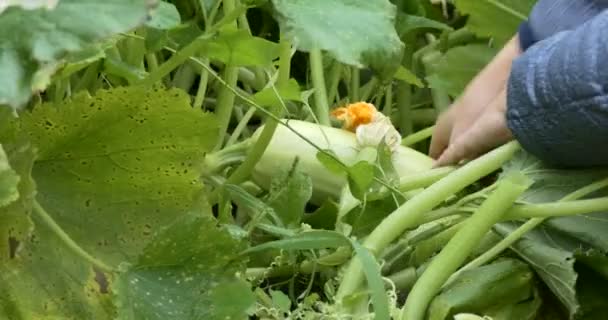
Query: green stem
[
  {"x": 355, "y": 82},
  {"x": 404, "y": 279},
  {"x": 89, "y": 77},
  {"x": 558, "y": 209},
  {"x": 514, "y": 236},
  {"x": 225, "y": 99},
  {"x": 442, "y": 213},
  {"x": 65, "y": 238},
  {"x": 334, "y": 81},
  {"x": 427, "y": 248},
  {"x": 134, "y": 51},
  {"x": 388, "y": 100},
  {"x": 460, "y": 246},
  {"x": 241, "y": 127},
  {"x": 417, "y": 137},
  {"x": 409, "y": 214},
  {"x": 270, "y": 125},
  {"x": 201, "y": 91},
  {"x": 404, "y": 95},
  {"x": 441, "y": 100},
  {"x": 423, "y": 179},
  {"x": 424, "y": 117},
  {"x": 151, "y": 61},
  {"x": 184, "y": 77},
  {"x": 175, "y": 61},
  {"x": 318, "y": 81},
  {"x": 368, "y": 89}
]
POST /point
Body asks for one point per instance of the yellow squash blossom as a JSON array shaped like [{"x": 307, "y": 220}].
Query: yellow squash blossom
[{"x": 369, "y": 124}]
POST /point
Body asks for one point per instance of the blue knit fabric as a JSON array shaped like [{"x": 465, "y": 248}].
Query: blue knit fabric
[
  {"x": 557, "y": 104},
  {"x": 549, "y": 17}
]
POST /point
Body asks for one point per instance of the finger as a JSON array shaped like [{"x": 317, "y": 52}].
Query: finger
[
  {"x": 488, "y": 132},
  {"x": 441, "y": 136}
]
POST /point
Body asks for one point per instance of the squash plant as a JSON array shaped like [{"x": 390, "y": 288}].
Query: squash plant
[{"x": 202, "y": 159}]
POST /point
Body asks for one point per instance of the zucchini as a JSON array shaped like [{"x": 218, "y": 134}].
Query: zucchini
[{"x": 286, "y": 146}]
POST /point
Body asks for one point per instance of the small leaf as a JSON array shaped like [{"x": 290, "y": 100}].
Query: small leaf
[
  {"x": 360, "y": 178},
  {"x": 289, "y": 195},
  {"x": 324, "y": 217},
  {"x": 257, "y": 209},
  {"x": 315, "y": 239},
  {"x": 268, "y": 96},
  {"x": 408, "y": 76},
  {"x": 239, "y": 48},
  {"x": 329, "y": 162},
  {"x": 280, "y": 300}
]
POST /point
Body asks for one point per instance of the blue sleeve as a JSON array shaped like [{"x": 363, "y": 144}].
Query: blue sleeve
[
  {"x": 557, "y": 100},
  {"x": 549, "y": 17}
]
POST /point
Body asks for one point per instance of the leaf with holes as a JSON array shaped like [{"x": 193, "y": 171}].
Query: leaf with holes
[
  {"x": 189, "y": 271},
  {"x": 115, "y": 167}
]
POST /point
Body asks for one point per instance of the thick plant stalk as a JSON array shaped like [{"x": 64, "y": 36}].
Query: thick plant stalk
[
  {"x": 417, "y": 136},
  {"x": 202, "y": 86},
  {"x": 461, "y": 245},
  {"x": 225, "y": 99},
  {"x": 523, "y": 229},
  {"x": 411, "y": 212},
  {"x": 256, "y": 152},
  {"x": 318, "y": 81}
]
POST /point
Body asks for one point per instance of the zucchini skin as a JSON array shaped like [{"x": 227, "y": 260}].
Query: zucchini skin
[{"x": 285, "y": 146}]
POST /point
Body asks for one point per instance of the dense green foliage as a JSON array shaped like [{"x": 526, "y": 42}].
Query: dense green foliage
[{"x": 162, "y": 160}]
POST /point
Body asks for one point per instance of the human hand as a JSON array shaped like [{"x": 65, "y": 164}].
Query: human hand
[
  {"x": 487, "y": 131},
  {"x": 476, "y": 122}
]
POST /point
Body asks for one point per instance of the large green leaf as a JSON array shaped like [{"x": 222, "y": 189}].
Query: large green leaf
[
  {"x": 46, "y": 281},
  {"x": 31, "y": 51},
  {"x": 355, "y": 32},
  {"x": 568, "y": 253},
  {"x": 488, "y": 290},
  {"x": 189, "y": 271},
  {"x": 495, "y": 18},
  {"x": 458, "y": 66},
  {"x": 115, "y": 167},
  {"x": 550, "y": 184},
  {"x": 568, "y": 265}
]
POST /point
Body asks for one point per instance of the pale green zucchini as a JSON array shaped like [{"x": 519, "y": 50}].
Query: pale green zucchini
[{"x": 285, "y": 146}]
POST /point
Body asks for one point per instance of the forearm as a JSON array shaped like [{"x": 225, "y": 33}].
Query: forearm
[{"x": 557, "y": 99}]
